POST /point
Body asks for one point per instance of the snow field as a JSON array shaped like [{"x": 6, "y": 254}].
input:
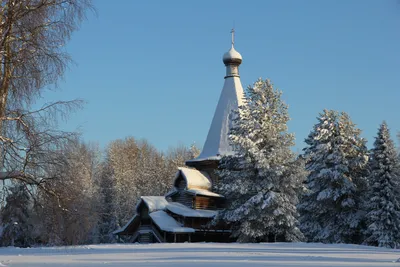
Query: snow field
[{"x": 202, "y": 254}]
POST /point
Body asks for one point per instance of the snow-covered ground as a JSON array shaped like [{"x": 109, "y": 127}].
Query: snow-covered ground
[{"x": 202, "y": 254}]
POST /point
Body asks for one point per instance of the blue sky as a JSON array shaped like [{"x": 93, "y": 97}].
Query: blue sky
[{"x": 153, "y": 69}]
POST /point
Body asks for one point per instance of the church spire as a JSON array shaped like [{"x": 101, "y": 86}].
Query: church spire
[{"x": 217, "y": 143}]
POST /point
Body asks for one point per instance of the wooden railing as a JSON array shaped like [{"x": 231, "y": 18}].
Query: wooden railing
[
  {"x": 158, "y": 235},
  {"x": 153, "y": 230}
]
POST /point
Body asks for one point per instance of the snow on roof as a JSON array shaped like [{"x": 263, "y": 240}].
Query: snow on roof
[
  {"x": 204, "y": 192},
  {"x": 182, "y": 210},
  {"x": 194, "y": 178},
  {"x": 122, "y": 229},
  {"x": 168, "y": 224},
  {"x": 153, "y": 202},
  {"x": 232, "y": 54},
  {"x": 217, "y": 143},
  {"x": 171, "y": 192}
]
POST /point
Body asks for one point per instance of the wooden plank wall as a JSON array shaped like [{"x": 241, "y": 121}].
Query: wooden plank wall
[{"x": 204, "y": 203}]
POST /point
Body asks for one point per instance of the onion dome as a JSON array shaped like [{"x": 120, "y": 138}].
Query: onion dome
[{"x": 232, "y": 57}]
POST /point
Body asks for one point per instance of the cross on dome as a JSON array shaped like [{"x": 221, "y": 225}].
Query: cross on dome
[
  {"x": 233, "y": 36},
  {"x": 232, "y": 57}
]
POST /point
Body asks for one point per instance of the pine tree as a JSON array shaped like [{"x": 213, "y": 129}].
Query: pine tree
[
  {"x": 15, "y": 218},
  {"x": 262, "y": 179},
  {"x": 336, "y": 159},
  {"x": 384, "y": 205}
]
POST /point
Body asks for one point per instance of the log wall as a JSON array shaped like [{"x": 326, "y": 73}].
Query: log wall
[
  {"x": 204, "y": 203},
  {"x": 185, "y": 199}
]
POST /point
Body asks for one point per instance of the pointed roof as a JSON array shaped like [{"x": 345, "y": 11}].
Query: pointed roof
[
  {"x": 232, "y": 96},
  {"x": 217, "y": 142}
]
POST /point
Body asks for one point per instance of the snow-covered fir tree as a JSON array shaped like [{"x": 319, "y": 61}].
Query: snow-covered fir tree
[
  {"x": 261, "y": 181},
  {"x": 336, "y": 159},
  {"x": 384, "y": 203},
  {"x": 15, "y": 217}
]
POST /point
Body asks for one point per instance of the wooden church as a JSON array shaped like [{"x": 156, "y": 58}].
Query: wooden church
[{"x": 183, "y": 214}]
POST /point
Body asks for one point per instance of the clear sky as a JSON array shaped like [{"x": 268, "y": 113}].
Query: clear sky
[{"x": 153, "y": 69}]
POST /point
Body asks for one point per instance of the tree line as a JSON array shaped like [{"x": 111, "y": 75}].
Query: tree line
[
  {"x": 336, "y": 191},
  {"x": 93, "y": 193}
]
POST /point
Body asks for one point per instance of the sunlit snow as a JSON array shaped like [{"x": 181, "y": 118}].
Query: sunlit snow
[{"x": 202, "y": 254}]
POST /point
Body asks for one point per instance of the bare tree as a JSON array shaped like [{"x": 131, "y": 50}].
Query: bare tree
[
  {"x": 72, "y": 218},
  {"x": 33, "y": 34},
  {"x": 135, "y": 168}
]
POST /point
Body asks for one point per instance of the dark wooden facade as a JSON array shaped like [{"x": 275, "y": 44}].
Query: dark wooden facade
[{"x": 195, "y": 196}]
